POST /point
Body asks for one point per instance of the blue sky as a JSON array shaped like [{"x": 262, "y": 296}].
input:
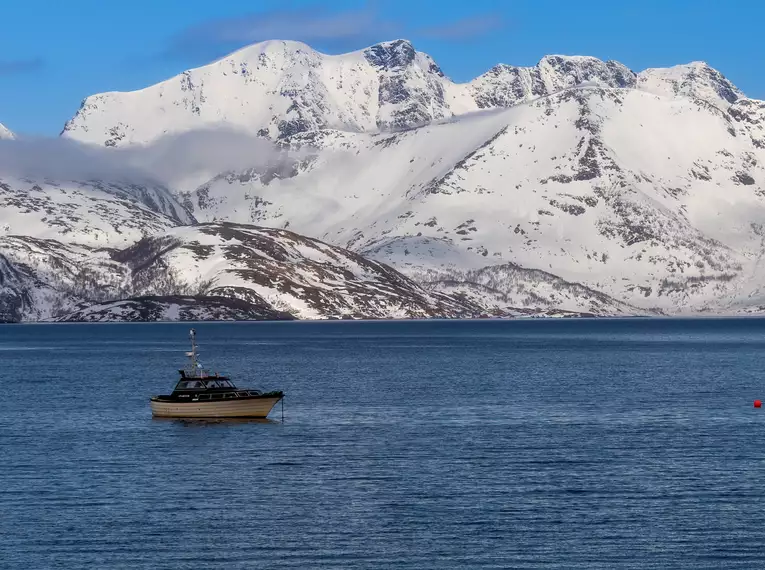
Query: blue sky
[{"x": 54, "y": 53}]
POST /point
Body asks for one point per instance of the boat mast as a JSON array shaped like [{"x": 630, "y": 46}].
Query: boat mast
[{"x": 193, "y": 353}]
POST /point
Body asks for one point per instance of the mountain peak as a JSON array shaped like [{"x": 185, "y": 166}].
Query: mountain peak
[
  {"x": 557, "y": 59},
  {"x": 270, "y": 47},
  {"x": 695, "y": 79},
  {"x": 697, "y": 65},
  {"x": 395, "y": 54},
  {"x": 397, "y": 44},
  {"x": 572, "y": 70}
]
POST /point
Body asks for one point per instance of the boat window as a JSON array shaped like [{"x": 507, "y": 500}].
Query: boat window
[
  {"x": 242, "y": 394},
  {"x": 204, "y": 396},
  {"x": 212, "y": 384},
  {"x": 217, "y": 396},
  {"x": 189, "y": 385},
  {"x": 230, "y": 395},
  {"x": 226, "y": 384},
  {"x": 254, "y": 393}
]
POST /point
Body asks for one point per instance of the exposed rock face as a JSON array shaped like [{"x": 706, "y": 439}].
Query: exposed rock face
[
  {"x": 411, "y": 86},
  {"x": 506, "y": 85},
  {"x": 750, "y": 114}
]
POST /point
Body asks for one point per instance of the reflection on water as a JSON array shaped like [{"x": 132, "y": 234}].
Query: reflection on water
[{"x": 205, "y": 422}]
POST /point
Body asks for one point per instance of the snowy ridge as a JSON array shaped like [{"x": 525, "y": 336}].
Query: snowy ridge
[
  {"x": 506, "y": 85},
  {"x": 280, "y": 88},
  {"x": 275, "y": 88}
]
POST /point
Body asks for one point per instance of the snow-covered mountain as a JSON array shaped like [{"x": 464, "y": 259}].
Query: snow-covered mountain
[
  {"x": 276, "y": 88},
  {"x": 207, "y": 271},
  {"x": 653, "y": 200},
  {"x": 279, "y": 88},
  {"x": 573, "y": 185}
]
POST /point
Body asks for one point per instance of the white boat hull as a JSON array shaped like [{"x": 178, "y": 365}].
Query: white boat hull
[{"x": 233, "y": 408}]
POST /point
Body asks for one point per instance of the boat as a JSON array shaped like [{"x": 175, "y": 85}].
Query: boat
[{"x": 201, "y": 394}]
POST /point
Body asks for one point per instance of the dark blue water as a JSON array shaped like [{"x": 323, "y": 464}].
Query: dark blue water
[{"x": 533, "y": 444}]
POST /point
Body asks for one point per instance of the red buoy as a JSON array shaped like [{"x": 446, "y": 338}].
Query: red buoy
[{"x": 757, "y": 404}]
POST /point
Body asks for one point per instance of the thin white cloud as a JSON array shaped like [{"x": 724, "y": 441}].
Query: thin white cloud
[{"x": 168, "y": 161}]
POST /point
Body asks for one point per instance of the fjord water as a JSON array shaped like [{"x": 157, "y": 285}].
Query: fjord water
[{"x": 472, "y": 444}]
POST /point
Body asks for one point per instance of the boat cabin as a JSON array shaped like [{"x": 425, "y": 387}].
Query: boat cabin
[
  {"x": 209, "y": 388},
  {"x": 202, "y": 383}
]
